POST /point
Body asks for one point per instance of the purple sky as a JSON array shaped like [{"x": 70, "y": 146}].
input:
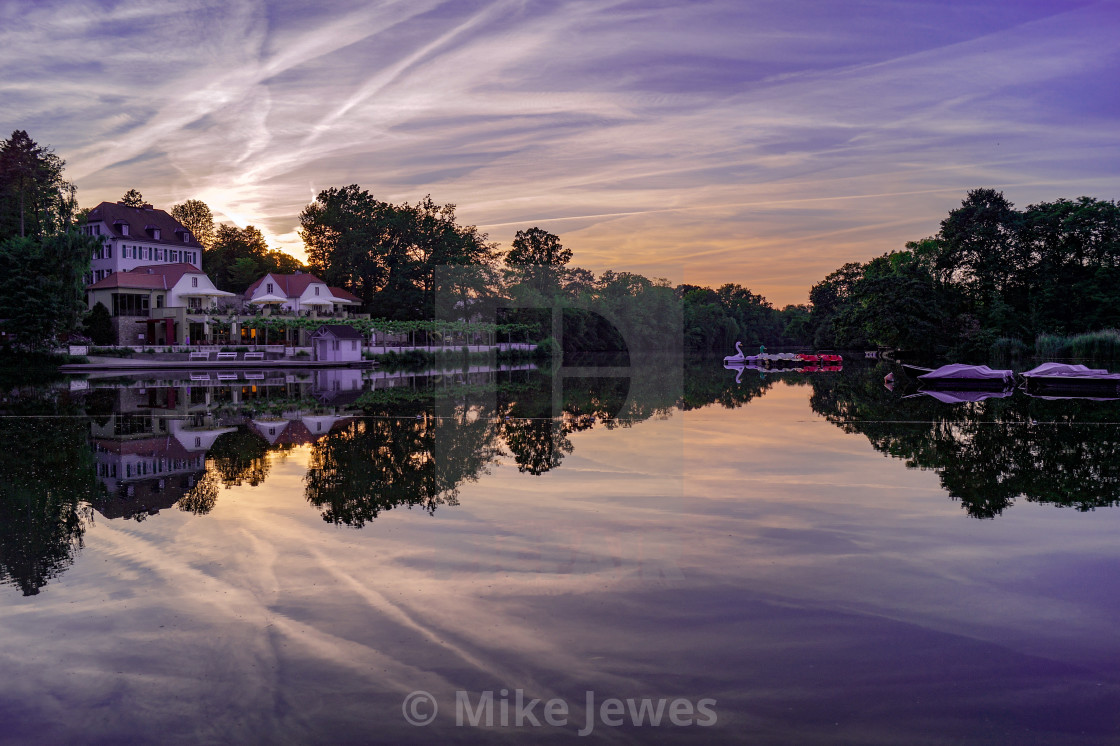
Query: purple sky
[{"x": 764, "y": 143}]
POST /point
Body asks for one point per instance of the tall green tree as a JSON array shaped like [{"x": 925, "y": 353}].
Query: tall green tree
[
  {"x": 538, "y": 246},
  {"x": 42, "y": 288},
  {"x": 196, "y": 217},
  {"x": 34, "y": 198},
  {"x": 388, "y": 254}
]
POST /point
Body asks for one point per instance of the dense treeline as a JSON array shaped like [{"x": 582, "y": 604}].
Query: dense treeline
[
  {"x": 992, "y": 273},
  {"x": 396, "y": 259},
  {"x": 715, "y": 319}
]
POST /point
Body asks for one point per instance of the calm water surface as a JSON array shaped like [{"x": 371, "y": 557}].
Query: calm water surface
[{"x": 284, "y": 561}]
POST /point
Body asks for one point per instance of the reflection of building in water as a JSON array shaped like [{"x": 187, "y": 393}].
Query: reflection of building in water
[
  {"x": 297, "y": 429},
  {"x": 338, "y": 386},
  {"x": 148, "y": 463}
]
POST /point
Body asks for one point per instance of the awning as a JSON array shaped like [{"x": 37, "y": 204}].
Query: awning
[{"x": 269, "y": 298}]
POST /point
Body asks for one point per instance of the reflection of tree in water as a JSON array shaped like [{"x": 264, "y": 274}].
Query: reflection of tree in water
[
  {"x": 986, "y": 453},
  {"x": 707, "y": 382},
  {"x": 49, "y": 478},
  {"x": 376, "y": 464},
  {"x": 240, "y": 456},
  {"x": 201, "y": 498},
  {"x": 539, "y": 442},
  {"x": 537, "y": 445}
]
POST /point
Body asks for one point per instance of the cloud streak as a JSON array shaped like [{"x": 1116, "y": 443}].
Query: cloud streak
[{"x": 757, "y": 142}]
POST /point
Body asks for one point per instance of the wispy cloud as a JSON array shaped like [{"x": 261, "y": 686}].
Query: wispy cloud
[{"x": 758, "y": 142}]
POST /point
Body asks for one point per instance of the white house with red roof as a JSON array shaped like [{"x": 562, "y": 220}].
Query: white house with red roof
[
  {"x": 138, "y": 236},
  {"x": 297, "y": 293},
  {"x": 158, "y": 304}
]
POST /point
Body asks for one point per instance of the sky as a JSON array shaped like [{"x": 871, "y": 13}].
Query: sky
[{"x": 763, "y": 143}]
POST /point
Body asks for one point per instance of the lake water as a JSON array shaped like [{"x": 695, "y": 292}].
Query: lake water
[{"x": 800, "y": 558}]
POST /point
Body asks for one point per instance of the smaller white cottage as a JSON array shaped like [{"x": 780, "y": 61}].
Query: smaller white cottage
[{"x": 336, "y": 343}]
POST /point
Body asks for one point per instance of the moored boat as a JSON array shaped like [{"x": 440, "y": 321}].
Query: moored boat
[
  {"x": 1063, "y": 377},
  {"x": 961, "y": 377}
]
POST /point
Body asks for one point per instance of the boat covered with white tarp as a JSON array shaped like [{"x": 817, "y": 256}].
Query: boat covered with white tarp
[
  {"x": 1068, "y": 377},
  {"x": 961, "y": 376}
]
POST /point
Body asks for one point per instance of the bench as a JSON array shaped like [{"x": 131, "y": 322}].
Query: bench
[
  {"x": 254, "y": 356},
  {"x": 227, "y": 356},
  {"x": 199, "y": 356}
]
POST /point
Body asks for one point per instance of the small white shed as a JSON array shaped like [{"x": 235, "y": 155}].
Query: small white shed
[{"x": 336, "y": 343}]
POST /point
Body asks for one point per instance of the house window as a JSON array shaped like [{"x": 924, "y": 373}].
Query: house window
[
  {"x": 194, "y": 282},
  {"x": 316, "y": 290},
  {"x": 268, "y": 288},
  {"x": 159, "y": 301},
  {"x": 124, "y": 229},
  {"x": 194, "y": 302},
  {"x": 108, "y": 251},
  {"x": 334, "y": 345},
  {"x": 155, "y": 233},
  {"x": 353, "y": 345},
  {"x": 186, "y": 236}
]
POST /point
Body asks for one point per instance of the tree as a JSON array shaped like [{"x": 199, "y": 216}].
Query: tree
[
  {"x": 239, "y": 256},
  {"x": 99, "y": 325},
  {"x": 388, "y": 254},
  {"x": 538, "y": 246},
  {"x": 196, "y": 217},
  {"x": 34, "y": 198},
  {"x": 132, "y": 198},
  {"x": 42, "y": 286}
]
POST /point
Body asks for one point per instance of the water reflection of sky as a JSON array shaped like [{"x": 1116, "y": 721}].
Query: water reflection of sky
[{"x": 817, "y": 590}]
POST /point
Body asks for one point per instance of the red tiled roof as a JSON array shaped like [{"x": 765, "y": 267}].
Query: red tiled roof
[
  {"x": 290, "y": 286},
  {"x": 139, "y": 220},
  {"x": 148, "y": 277},
  {"x": 165, "y": 446},
  {"x": 345, "y": 295}
]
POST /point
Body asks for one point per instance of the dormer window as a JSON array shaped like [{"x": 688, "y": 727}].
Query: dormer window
[
  {"x": 155, "y": 233},
  {"x": 122, "y": 227},
  {"x": 186, "y": 236}
]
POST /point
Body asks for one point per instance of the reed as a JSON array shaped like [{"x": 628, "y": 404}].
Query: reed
[
  {"x": 1100, "y": 345},
  {"x": 1007, "y": 349}
]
